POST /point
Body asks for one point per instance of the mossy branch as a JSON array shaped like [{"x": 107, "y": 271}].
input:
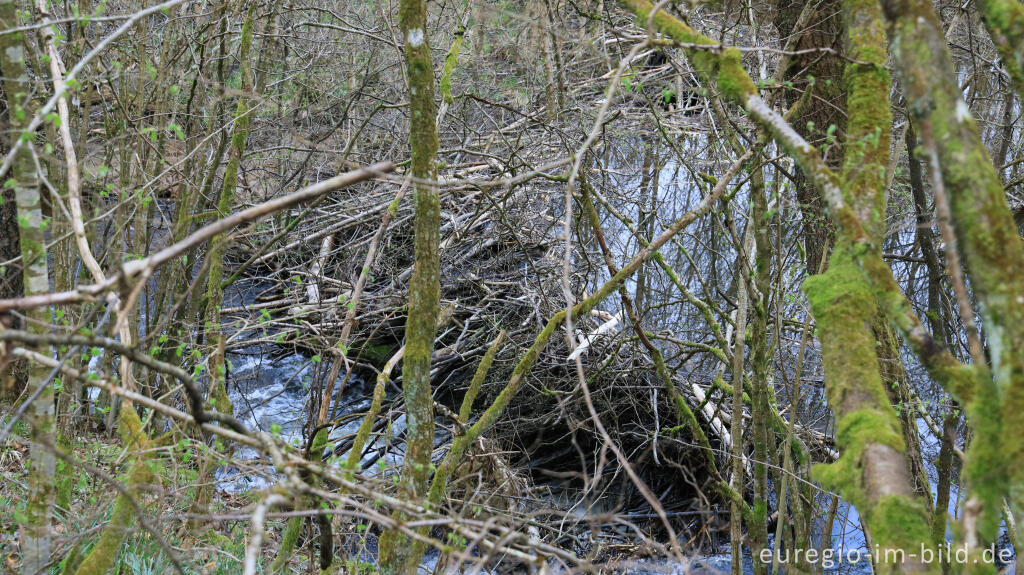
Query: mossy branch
[
  {"x": 104, "y": 554},
  {"x": 941, "y": 365},
  {"x": 478, "y": 378},
  {"x": 451, "y": 60},
  {"x": 986, "y": 238},
  {"x": 1004, "y": 20}
]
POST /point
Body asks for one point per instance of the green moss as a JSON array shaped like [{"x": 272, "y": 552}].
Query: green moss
[
  {"x": 219, "y": 398},
  {"x": 395, "y": 552},
  {"x": 66, "y": 476},
  {"x": 478, "y": 378},
  {"x": 802, "y": 457},
  {"x": 840, "y": 298},
  {"x": 450, "y": 61},
  {"x": 675, "y": 28},
  {"x": 733, "y": 80},
  {"x": 1005, "y": 22},
  {"x": 289, "y": 538},
  {"x": 1002, "y": 14},
  {"x": 130, "y": 428},
  {"x": 985, "y": 467},
  {"x": 363, "y": 435},
  {"x": 842, "y": 304},
  {"x": 900, "y": 521},
  {"x": 104, "y": 554},
  {"x": 378, "y": 354},
  {"x": 841, "y": 289},
  {"x": 101, "y": 558},
  {"x": 723, "y": 66},
  {"x": 987, "y": 237},
  {"x": 854, "y": 432},
  {"x": 844, "y": 307},
  {"x": 726, "y": 388},
  {"x": 216, "y": 539},
  {"x": 73, "y": 560},
  {"x": 683, "y": 412}
]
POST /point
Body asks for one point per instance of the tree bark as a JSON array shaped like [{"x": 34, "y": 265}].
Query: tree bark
[
  {"x": 993, "y": 253},
  {"x": 424, "y": 286},
  {"x": 35, "y": 534},
  {"x": 824, "y": 29}
]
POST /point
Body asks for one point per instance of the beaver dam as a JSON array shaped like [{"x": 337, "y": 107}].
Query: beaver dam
[{"x": 510, "y": 286}]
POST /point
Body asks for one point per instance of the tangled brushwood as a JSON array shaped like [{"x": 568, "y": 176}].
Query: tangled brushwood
[{"x": 503, "y": 286}]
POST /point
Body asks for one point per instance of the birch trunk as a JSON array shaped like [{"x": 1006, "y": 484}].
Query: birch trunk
[{"x": 35, "y": 534}]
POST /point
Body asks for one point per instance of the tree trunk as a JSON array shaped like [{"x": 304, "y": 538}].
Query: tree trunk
[
  {"x": 424, "y": 286},
  {"x": 823, "y": 29},
  {"x": 986, "y": 238},
  {"x": 35, "y": 534}
]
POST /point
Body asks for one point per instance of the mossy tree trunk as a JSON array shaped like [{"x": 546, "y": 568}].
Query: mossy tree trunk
[
  {"x": 23, "y": 179},
  {"x": 103, "y": 555},
  {"x": 240, "y": 135},
  {"x": 214, "y": 295},
  {"x": 821, "y": 122},
  {"x": 761, "y": 364},
  {"x": 987, "y": 239},
  {"x": 872, "y": 472},
  {"x": 424, "y": 286},
  {"x": 460, "y": 444}
]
